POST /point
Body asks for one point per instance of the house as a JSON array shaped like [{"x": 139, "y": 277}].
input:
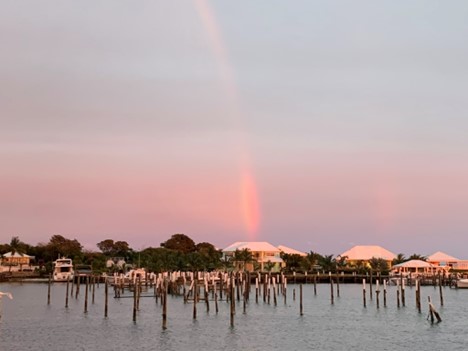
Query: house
[
  {"x": 417, "y": 267},
  {"x": 264, "y": 255},
  {"x": 290, "y": 251},
  {"x": 16, "y": 259},
  {"x": 440, "y": 258},
  {"x": 364, "y": 253}
]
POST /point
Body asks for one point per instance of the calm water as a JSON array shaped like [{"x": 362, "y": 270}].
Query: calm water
[{"x": 28, "y": 323}]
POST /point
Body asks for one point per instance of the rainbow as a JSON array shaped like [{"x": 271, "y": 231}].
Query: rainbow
[{"x": 249, "y": 202}]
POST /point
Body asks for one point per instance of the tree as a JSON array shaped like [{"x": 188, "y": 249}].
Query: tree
[
  {"x": 292, "y": 261},
  {"x": 417, "y": 257},
  {"x": 328, "y": 263},
  {"x": 210, "y": 256},
  {"x": 179, "y": 242},
  {"x": 59, "y": 245},
  {"x": 400, "y": 258},
  {"x": 114, "y": 249},
  {"x": 17, "y": 246},
  {"x": 106, "y": 246},
  {"x": 379, "y": 264},
  {"x": 268, "y": 266},
  {"x": 242, "y": 257}
]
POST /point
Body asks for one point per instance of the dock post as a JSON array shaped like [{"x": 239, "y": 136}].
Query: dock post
[
  {"x": 48, "y": 290},
  {"x": 106, "y": 297},
  {"x": 364, "y": 292},
  {"x": 66, "y": 294},
  {"x": 300, "y": 300},
  {"x": 86, "y": 295}
]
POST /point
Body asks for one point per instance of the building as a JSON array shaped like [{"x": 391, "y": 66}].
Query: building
[
  {"x": 440, "y": 258},
  {"x": 265, "y": 256},
  {"x": 364, "y": 253},
  {"x": 416, "y": 267},
  {"x": 16, "y": 259},
  {"x": 290, "y": 251}
]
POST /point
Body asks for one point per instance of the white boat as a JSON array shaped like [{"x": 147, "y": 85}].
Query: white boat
[
  {"x": 462, "y": 283},
  {"x": 63, "y": 270}
]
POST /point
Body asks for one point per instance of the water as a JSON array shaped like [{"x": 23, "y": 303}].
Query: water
[{"x": 28, "y": 323}]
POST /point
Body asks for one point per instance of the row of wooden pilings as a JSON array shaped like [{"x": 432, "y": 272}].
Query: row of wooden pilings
[{"x": 227, "y": 287}]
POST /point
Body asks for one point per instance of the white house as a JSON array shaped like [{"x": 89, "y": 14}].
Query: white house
[{"x": 264, "y": 253}]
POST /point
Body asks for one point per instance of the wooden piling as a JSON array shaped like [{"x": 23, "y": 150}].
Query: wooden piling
[
  {"x": 106, "y": 297},
  {"x": 164, "y": 311},
  {"x": 440, "y": 292},
  {"x": 274, "y": 292},
  {"x": 256, "y": 290},
  {"x": 233, "y": 304},
  {"x": 418, "y": 295},
  {"x": 300, "y": 300},
  {"x": 66, "y": 294},
  {"x": 77, "y": 288},
  {"x": 377, "y": 293},
  {"x": 195, "y": 291},
  {"x": 403, "y": 298},
  {"x": 332, "y": 297},
  {"x": 385, "y": 293},
  {"x": 245, "y": 297},
  {"x": 93, "y": 291},
  {"x": 364, "y": 292},
  {"x": 398, "y": 296},
  {"x": 207, "y": 300},
  {"x": 134, "y": 303},
  {"x": 433, "y": 312},
  {"x": 48, "y": 289},
  {"x": 86, "y": 295},
  {"x": 315, "y": 284},
  {"x": 337, "y": 284},
  {"x": 370, "y": 284}
]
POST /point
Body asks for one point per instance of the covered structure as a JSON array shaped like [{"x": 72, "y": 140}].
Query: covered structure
[
  {"x": 440, "y": 258},
  {"x": 16, "y": 259},
  {"x": 263, "y": 253},
  {"x": 416, "y": 267},
  {"x": 290, "y": 251},
  {"x": 364, "y": 253}
]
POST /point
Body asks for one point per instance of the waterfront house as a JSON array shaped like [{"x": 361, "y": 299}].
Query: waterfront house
[
  {"x": 16, "y": 259},
  {"x": 290, "y": 251},
  {"x": 265, "y": 256},
  {"x": 364, "y": 253},
  {"x": 440, "y": 258},
  {"x": 417, "y": 268}
]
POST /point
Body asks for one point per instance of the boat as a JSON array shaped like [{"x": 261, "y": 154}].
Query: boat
[
  {"x": 63, "y": 270},
  {"x": 462, "y": 283}
]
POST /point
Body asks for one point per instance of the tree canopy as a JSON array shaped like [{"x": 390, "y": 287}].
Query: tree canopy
[{"x": 179, "y": 242}]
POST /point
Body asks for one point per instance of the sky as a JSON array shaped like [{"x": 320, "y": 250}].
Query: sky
[{"x": 318, "y": 125}]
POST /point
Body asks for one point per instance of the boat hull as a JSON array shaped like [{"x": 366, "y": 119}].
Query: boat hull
[
  {"x": 62, "y": 277},
  {"x": 462, "y": 284}
]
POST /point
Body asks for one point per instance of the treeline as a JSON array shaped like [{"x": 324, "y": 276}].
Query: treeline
[
  {"x": 177, "y": 253},
  {"x": 181, "y": 253}
]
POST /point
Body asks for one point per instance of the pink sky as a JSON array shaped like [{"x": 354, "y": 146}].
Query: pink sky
[{"x": 228, "y": 123}]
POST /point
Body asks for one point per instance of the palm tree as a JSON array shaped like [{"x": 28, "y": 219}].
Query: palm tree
[
  {"x": 243, "y": 256},
  {"x": 328, "y": 263},
  {"x": 417, "y": 257},
  {"x": 400, "y": 258},
  {"x": 378, "y": 264},
  {"x": 16, "y": 246}
]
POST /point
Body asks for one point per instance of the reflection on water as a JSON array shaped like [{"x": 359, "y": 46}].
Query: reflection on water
[{"x": 28, "y": 323}]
